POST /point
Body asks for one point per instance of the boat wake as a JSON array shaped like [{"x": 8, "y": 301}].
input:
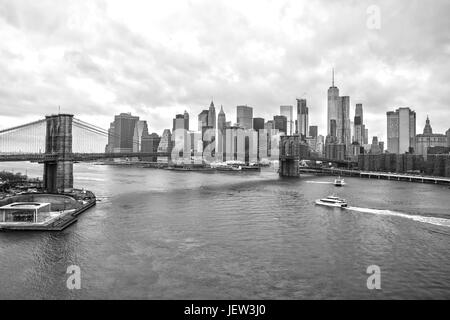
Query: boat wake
[
  {"x": 423, "y": 219},
  {"x": 320, "y": 182}
]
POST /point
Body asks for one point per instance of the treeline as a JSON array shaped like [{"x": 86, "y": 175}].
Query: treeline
[{"x": 12, "y": 177}]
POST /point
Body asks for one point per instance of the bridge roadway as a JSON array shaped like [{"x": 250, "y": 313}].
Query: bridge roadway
[{"x": 76, "y": 157}]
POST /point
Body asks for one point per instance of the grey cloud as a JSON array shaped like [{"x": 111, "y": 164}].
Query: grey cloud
[{"x": 146, "y": 76}]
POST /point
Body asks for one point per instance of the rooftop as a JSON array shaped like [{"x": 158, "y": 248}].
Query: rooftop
[{"x": 25, "y": 205}]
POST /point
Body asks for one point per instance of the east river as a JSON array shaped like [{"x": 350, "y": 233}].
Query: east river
[{"x": 158, "y": 234}]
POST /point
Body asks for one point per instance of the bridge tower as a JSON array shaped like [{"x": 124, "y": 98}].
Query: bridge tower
[
  {"x": 58, "y": 161},
  {"x": 289, "y": 156}
]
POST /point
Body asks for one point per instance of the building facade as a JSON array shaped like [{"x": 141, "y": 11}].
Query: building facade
[
  {"x": 244, "y": 117},
  {"x": 280, "y": 123},
  {"x": 258, "y": 124},
  {"x": 401, "y": 131},
  {"x": 302, "y": 118},
  {"x": 429, "y": 139},
  {"x": 288, "y": 112},
  {"x": 121, "y": 133},
  {"x": 212, "y": 115}
]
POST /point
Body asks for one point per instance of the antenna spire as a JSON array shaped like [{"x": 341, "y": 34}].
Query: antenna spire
[{"x": 333, "y": 78}]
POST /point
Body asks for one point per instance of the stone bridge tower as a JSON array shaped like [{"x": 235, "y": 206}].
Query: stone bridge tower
[
  {"x": 58, "y": 162},
  {"x": 289, "y": 156}
]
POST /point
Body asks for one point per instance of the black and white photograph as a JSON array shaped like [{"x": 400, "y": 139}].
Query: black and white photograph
[{"x": 205, "y": 151}]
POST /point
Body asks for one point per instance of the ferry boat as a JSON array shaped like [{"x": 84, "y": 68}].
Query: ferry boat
[
  {"x": 339, "y": 182},
  {"x": 332, "y": 201}
]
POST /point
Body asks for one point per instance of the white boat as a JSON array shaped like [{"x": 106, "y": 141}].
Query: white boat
[
  {"x": 332, "y": 201},
  {"x": 339, "y": 182}
]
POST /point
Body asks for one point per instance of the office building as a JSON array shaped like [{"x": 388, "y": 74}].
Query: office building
[
  {"x": 359, "y": 129},
  {"x": 203, "y": 120},
  {"x": 280, "y": 123},
  {"x": 401, "y": 131},
  {"x": 288, "y": 112},
  {"x": 302, "y": 118},
  {"x": 269, "y": 125},
  {"x": 333, "y": 101},
  {"x": 338, "y": 118},
  {"x": 244, "y": 117},
  {"x": 165, "y": 145},
  {"x": 313, "y": 131},
  {"x": 181, "y": 121},
  {"x": 121, "y": 133},
  {"x": 150, "y": 144},
  {"x": 212, "y": 116},
  {"x": 258, "y": 124},
  {"x": 140, "y": 131},
  {"x": 221, "y": 136}
]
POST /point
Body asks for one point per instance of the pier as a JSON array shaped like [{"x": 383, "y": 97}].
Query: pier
[{"x": 379, "y": 175}]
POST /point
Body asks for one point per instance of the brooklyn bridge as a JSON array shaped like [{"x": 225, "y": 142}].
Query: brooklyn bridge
[{"x": 58, "y": 141}]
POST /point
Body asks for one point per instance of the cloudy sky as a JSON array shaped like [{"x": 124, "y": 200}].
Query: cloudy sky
[{"x": 158, "y": 58}]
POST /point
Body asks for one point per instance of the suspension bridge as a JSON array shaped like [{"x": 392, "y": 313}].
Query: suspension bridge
[{"x": 58, "y": 141}]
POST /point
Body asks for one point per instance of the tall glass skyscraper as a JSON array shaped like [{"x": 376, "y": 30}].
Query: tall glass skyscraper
[
  {"x": 302, "y": 118},
  {"x": 333, "y": 101},
  {"x": 288, "y": 112},
  {"x": 338, "y": 122}
]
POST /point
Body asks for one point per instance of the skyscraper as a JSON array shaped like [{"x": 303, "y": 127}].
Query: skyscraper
[
  {"x": 280, "y": 123},
  {"x": 221, "y": 120},
  {"x": 258, "y": 124},
  {"x": 338, "y": 122},
  {"x": 288, "y": 112},
  {"x": 401, "y": 130},
  {"x": 140, "y": 130},
  {"x": 333, "y": 97},
  {"x": 121, "y": 133},
  {"x": 221, "y": 135},
  {"x": 302, "y": 118},
  {"x": 269, "y": 125},
  {"x": 150, "y": 143},
  {"x": 203, "y": 120},
  {"x": 165, "y": 145},
  {"x": 244, "y": 117},
  {"x": 343, "y": 129},
  {"x": 359, "y": 127},
  {"x": 313, "y": 131},
  {"x": 186, "y": 120},
  {"x": 181, "y": 122},
  {"x": 180, "y": 137},
  {"x": 212, "y": 115}
]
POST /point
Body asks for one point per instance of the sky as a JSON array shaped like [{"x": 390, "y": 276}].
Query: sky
[{"x": 155, "y": 59}]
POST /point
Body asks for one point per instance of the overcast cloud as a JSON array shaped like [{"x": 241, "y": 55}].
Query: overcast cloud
[{"x": 158, "y": 58}]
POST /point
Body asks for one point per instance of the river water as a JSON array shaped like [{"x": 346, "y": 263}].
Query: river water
[{"x": 159, "y": 234}]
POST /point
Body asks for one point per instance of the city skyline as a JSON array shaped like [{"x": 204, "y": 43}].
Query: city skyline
[{"x": 109, "y": 62}]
